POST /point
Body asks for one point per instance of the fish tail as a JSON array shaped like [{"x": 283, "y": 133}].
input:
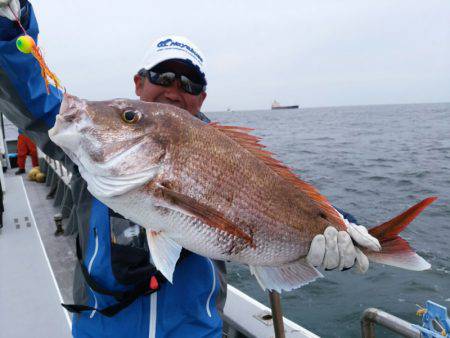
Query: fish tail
[{"x": 395, "y": 250}]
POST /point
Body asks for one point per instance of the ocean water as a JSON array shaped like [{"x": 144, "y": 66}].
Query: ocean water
[{"x": 374, "y": 162}]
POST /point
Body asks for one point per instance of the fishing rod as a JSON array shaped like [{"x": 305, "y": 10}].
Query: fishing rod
[{"x": 277, "y": 314}]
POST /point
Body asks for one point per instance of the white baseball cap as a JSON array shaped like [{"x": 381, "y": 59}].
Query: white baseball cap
[{"x": 172, "y": 47}]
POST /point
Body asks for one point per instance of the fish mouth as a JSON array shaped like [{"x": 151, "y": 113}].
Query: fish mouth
[
  {"x": 68, "y": 124},
  {"x": 67, "y": 137}
]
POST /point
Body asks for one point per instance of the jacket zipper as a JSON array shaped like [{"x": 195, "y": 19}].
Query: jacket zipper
[
  {"x": 208, "y": 310},
  {"x": 91, "y": 262}
]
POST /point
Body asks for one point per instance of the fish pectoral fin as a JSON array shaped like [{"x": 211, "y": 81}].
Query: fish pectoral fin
[
  {"x": 285, "y": 277},
  {"x": 164, "y": 251},
  {"x": 203, "y": 212}
]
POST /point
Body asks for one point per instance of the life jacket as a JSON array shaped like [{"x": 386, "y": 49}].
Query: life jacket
[{"x": 128, "y": 297}]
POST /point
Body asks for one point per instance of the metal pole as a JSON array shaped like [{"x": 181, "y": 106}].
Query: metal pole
[
  {"x": 5, "y": 146},
  {"x": 61, "y": 169},
  {"x": 373, "y": 316},
  {"x": 277, "y": 314},
  {"x": 3, "y": 125}
]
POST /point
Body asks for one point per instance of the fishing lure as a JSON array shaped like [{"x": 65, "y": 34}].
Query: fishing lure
[{"x": 27, "y": 45}]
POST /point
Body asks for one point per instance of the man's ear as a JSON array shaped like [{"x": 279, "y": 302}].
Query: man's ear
[{"x": 138, "y": 84}]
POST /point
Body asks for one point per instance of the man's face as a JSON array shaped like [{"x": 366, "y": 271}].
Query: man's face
[{"x": 173, "y": 94}]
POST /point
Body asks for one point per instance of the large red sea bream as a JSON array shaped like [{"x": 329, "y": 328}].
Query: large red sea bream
[{"x": 211, "y": 189}]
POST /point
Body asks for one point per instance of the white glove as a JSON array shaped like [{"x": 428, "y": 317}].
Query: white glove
[
  {"x": 335, "y": 249},
  {"x": 5, "y": 11}
]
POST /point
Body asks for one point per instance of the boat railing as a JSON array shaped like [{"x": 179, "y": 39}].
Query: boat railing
[
  {"x": 435, "y": 322},
  {"x": 373, "y": 316}
]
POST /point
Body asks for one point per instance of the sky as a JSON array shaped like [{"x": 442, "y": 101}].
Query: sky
[{"x": 312, "y": 53}]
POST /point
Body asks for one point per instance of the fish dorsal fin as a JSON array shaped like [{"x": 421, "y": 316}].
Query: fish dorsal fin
[{"x": 252, "y": 144}]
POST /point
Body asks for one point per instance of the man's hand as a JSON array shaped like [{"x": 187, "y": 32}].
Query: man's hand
[
  {"x": 335, "y": 249},
  {"x": 6, "y": 6}
]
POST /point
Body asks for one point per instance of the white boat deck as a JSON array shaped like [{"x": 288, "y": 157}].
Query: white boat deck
[{"x": 29, "y": 295}]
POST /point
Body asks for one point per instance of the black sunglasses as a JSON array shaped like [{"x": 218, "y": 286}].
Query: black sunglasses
[{"x": 166, "y": 79}]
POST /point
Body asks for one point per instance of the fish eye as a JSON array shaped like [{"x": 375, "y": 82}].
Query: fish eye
[{"x": 131, "y": 116}]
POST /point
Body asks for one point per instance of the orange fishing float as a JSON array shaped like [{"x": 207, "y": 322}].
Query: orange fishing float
[{"x": 27, "y": 45}]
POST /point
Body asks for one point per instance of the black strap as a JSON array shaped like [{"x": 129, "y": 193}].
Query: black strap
[
  {"x": 124, "y": 298},
  {"x": 108, "y": 311}
]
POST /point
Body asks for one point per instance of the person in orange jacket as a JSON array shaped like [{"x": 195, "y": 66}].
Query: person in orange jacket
[{"x": 25, "y": 147}]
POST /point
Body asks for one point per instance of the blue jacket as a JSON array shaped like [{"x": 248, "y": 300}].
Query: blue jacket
[{"x": 187, "y": 308}]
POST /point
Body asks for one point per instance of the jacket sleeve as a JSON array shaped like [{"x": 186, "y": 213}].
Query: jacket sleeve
[
  {"x": 349, "y": 217},
  {"x": 23, "y": 96}
]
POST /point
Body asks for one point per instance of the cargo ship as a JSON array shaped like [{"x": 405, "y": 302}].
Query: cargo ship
[{"x": 277, "y": 105}]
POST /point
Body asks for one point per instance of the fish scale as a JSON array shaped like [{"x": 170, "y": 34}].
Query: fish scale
[
  {"x": 253, "y": 202},
  {"x": 215, "y": 243}
]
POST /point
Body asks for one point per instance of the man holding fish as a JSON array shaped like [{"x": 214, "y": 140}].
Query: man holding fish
[{"x": 134, "y": 156}]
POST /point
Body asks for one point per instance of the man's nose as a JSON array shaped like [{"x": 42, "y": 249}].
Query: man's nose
[{"x": 173, "y": 92}]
